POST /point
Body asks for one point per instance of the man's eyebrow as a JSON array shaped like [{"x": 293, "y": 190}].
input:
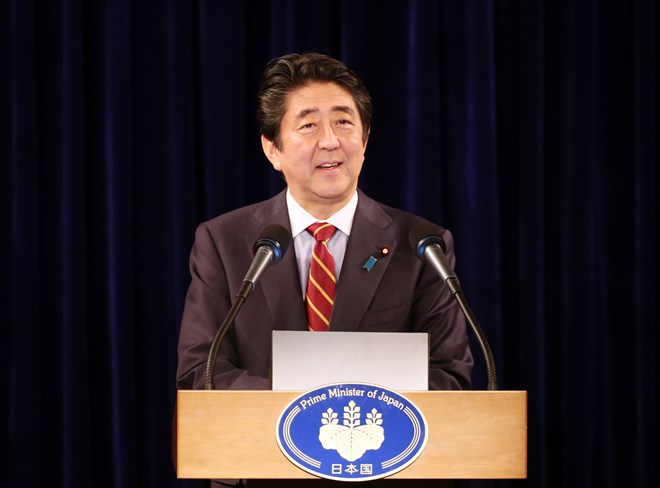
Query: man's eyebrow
[
  {"x": 337, "y": 108},
  {"x": 306, "y": 111},
  {"x": 343, "y": 108}
]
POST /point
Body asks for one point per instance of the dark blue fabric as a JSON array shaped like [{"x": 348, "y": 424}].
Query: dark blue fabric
[{"x": 526, "y": 128}]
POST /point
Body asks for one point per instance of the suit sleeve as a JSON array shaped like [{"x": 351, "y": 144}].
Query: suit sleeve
[
  {"x": 207, "y": 303},
  {"x": 436, "y": 311}
]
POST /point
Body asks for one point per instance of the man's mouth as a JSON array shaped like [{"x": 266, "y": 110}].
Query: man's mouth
[{"x": 328, "y": 165}]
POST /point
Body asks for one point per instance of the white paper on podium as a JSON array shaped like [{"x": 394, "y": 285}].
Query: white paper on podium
[{"x": 306, "y": 360}]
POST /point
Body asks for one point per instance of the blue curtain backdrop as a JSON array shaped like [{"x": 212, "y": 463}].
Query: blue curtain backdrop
[{"x": 526, "y": 127}]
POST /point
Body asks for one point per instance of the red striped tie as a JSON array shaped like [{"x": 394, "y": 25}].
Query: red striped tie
[{"x": 321, "y": 286}]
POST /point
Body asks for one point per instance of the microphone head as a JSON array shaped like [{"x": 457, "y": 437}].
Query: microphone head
[
  {"x": 422, "y": 235},
  {"x": 277, "y": 238}
]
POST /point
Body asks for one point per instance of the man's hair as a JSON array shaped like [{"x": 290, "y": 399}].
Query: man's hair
[{"x": 288, "y": 73}]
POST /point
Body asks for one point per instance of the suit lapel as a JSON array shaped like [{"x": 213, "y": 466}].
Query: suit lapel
[
  {"x": 280, "y": 286},
  {"x": 357, "y": 285}
]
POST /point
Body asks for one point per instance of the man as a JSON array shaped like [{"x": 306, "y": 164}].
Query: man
[{"x": 315, "y": 118}]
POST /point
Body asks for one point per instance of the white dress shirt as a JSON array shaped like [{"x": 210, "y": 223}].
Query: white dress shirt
[{"x": 304, "y": 243}]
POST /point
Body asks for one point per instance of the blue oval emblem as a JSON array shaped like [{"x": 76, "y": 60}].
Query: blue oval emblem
[{"x": 351, "y": 432}]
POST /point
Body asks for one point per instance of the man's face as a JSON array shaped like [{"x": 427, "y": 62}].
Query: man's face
[{"x": 321, "y": 148}]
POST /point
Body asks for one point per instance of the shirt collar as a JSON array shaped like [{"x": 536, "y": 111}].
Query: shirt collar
[{"x": 300, "y": 218}]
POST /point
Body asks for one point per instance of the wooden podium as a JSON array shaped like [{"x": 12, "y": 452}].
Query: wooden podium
[{"x": 231, "y": 434}]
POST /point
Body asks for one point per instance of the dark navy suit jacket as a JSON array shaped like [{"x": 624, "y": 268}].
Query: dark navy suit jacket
[{"x": 398, "y": 294}]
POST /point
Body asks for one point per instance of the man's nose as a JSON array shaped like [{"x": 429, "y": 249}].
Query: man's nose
[{"x": 328, "y": 139}]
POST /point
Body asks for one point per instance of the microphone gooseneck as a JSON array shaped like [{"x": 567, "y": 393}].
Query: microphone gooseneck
[
  {"x": 431, "y": 248},
  {"x": 268, "y": 249}
]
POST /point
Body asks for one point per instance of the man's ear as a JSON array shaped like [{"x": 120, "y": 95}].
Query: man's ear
[{"x": 271, "y": 152}]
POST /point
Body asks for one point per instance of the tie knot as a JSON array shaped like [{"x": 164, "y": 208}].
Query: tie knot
[{"x": 321, "y": 231}]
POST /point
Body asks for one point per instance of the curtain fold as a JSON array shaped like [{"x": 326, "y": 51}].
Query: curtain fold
[{"x": 526, "y": 128}]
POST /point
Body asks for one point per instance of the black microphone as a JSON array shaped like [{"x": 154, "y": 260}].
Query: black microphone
[
  {"x": 431, "y": 248},
  {"x": 269, "y": 248}
]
